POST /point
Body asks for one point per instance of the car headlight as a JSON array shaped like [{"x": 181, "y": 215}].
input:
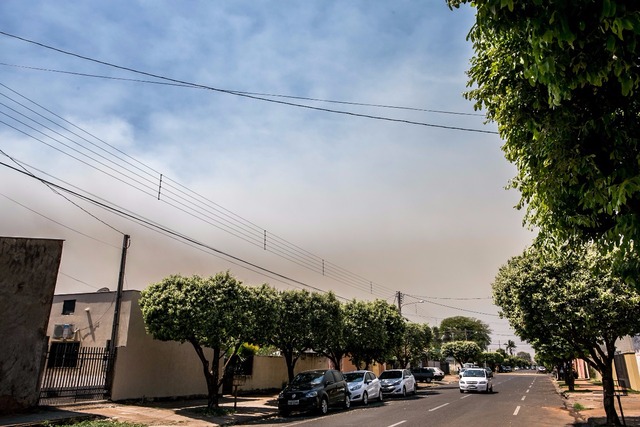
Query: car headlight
[
  {"x": 396, "y": 382},
  {"x": 355, "y": 387},
  {"x": 281, "y": 395},
  {"x": 483, "y": 382},
  {"x": 311, "y": 393},
  {"x": 462, "y": 382}
]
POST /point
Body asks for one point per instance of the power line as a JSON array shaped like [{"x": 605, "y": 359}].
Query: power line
[
  {"x": 243, "y": 94},
  {"x": 302, "y": 98}
]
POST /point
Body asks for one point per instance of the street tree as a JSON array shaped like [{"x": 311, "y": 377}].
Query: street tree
[
  {"x": 327, "y": 327},
  {"x": 571, "y": 298},
  {"x": 415, "y": 344},
  {"x": 462, "y": 351},
  {"x": 562, "y": 82},
  {"x": 461, "y": 328},
  {"x": 215, "y": 312},
  {"x": 525, "y": 356},
  {"x": 292, "y": 335},
  {"x": 492, "y": 359},
  {"x": 365, "y": 332}
]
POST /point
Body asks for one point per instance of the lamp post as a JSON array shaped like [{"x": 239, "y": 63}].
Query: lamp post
[{"x": 401, "y": 303}]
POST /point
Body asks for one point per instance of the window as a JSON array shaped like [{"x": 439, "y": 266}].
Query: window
[
  {"x": 69, "y": 306},
  {"x": 63, "y": 354}
]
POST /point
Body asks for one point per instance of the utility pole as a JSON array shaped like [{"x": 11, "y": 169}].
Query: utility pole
[
  {"x": 116, "y": 315},
  {"x": 399, "y": 296}
]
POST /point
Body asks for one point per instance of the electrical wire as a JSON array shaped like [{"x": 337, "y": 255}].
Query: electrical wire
[{"x": 242, "y": 94}]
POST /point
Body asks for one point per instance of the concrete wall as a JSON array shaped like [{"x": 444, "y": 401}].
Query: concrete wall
[
  {"x": 270, "y": 372},
  {"x": 149, "y": 368},
  {"x": 28, "y": 272}
]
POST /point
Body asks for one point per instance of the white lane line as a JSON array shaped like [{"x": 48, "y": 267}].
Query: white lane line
[
  {"x": 465, "y": 396},
  {"x": 438, "y": 407},
  {"x": 516, "y": 411},
  {"x": 523, "y": 397},
  {"x": 528, "y": 390},
  {"x": 397, "y": 424}
]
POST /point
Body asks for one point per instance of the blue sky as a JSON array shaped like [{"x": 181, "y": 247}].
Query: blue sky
[{"x": 416, "y": 208}]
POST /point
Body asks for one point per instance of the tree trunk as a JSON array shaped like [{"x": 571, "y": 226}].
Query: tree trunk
[
  {"x": 569, "y": 379},
  {"x": 288, "y": 358},
  {"x": 608, "y": 399},
  {"x": 210, "y": 378}
]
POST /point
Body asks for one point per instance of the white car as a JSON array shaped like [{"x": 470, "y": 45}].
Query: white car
[
  {"x": 475, "y": 379},
  {"x": 398, "y": 381},
  {"x": 363, "y": 385}
]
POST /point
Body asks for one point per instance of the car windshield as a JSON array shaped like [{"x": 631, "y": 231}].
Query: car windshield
[
  {"x": 352, "y": 377},
  {"x": 308, "y": 378},
  {"x": 390, "y": 374},
  {"x": 473, "y": 373}
]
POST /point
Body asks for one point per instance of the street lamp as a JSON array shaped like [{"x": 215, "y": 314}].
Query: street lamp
[{"x": 401, "y": 304}]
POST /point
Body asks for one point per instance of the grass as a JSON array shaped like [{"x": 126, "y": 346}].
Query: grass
[
  {"x": 578, "y": 407},
  {"x": 215, "y": 412}
]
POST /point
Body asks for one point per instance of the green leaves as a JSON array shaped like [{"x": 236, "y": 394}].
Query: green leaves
[{"x": 561, "y": 80}]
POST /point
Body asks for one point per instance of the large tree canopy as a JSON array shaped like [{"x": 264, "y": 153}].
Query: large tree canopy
[
  {"x": 462, "y": 328},
  {"x": 569, "y": 305},
  {"x": 561, "y": 79},
  {"x": 215, "y": 312}
]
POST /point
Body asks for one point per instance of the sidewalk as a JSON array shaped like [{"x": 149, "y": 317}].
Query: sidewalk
[
  {"x": 162, "y": 413},
  {"x": 586, "y": 403}
]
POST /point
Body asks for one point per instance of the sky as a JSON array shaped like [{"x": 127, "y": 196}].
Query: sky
[{"x": 320, "y": 145}]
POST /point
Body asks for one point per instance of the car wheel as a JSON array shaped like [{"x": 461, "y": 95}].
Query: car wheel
[
  {"x": 284, "y": 412},
  {"x": 404, "y": 391},
  {"x": 380, "y": 396},
  {"x": 461, "y": 391},
  {"x": 365, "y": 398},
  {"x": 324, "y": 406},
  {"x": 347, "y": 402}
]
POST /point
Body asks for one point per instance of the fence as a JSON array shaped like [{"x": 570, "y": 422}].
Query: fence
[{"x": 72, "y": 373}]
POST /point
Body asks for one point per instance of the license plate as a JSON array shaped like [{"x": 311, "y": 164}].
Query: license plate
[{"x": 293, "y": 402}]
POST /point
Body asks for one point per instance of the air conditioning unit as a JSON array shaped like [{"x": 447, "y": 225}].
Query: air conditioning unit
[{"x": 63, "y": 331}]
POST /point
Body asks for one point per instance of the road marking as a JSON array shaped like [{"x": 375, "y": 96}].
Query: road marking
[
  {"x": 397, "y": 424},
  {"x": 524, "y": 397},
  {"x": 438, "y": 407},
  {"x": 528, "y": 390},
  {"x": 465, "y": 396},
  {"x": 516, "y": 411}
]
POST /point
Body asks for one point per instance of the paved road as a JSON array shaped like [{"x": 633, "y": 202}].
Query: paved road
[{"x": 519, "y": 399}]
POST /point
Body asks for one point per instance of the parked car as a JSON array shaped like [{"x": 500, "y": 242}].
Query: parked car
[
  {"x": 363, "y": 385},
  {"x": 542, "y": 370},
  {"x": 475, "y": 379},
  {"x": 315, "y": 390},
  {"x": 397, "y": 382},
  {"x": 424, "y": 375},
  {"x": 438, "y": 374},
  {"x": 489, "y": 372}
]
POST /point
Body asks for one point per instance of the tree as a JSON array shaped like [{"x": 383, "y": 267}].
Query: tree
[
  {"x": 365, "y": 332},
  {"x": 491, "y": 359},
  {"x": 525, "y": 356},
  {"x": 327, "y": 327},
  {"x": 461, "y": 328},
  {"x": 561, "y": 80},
  {"x": 572, "y": 299},
  {"x": 510, "y": 346},
  {"x": 291, "y": 314},
  {"x": 215, "y": 312},
  {"x": 414, "y": 345},
  {"x": 462, "y": 351}
]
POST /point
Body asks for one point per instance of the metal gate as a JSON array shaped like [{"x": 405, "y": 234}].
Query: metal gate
[{"x": 72, "y": 373}]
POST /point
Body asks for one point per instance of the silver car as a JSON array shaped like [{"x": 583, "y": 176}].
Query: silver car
[
  {"x": 398, "y": 382},
  {"x": 363, "y": 385}
]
